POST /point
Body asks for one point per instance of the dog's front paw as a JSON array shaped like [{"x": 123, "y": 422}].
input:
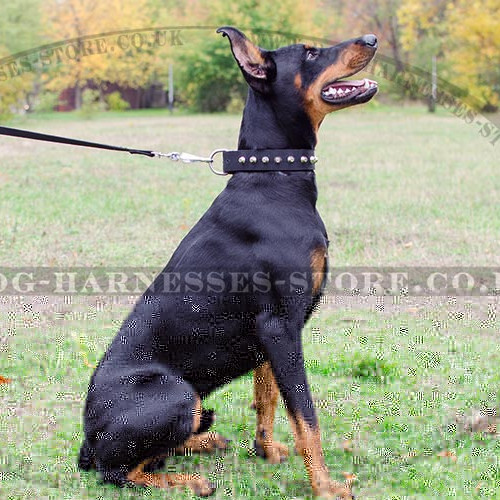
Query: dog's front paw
[
  {"x": 214, "y": 441},
  {"x": 272, "y": 451},
  {"x": 206, "y": 442}
]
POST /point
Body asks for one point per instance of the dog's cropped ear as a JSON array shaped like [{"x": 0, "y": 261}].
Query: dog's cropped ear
[{"x": 256, "y": 64}]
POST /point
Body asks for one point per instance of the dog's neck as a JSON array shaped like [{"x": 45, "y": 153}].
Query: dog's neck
[
  {"x": 263, "y": 128},
  {"x": 265, "y": 125}
]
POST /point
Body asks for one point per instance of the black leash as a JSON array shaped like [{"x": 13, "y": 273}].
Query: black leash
[
  {"x": 26, "y": 134},
  {"x": 260, "y": 160}
]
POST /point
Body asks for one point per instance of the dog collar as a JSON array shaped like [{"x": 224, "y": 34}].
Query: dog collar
[{"x": 268, "y": 160}]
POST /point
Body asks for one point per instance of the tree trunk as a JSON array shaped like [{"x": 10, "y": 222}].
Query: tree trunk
[
  {"x": 433, "y": 96},
  {"x": 394, "y": 42},
  {"x": 78, "y": 95}
]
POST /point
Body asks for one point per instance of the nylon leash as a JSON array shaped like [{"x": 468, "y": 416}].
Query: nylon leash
[
  {"x": 174, "y": 155},
  {"x": 233, "y": 161},
  {"x": 26, "y": 134}
]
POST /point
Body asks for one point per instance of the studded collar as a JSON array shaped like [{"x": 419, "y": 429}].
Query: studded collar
[{"x": 268, "y": 160}]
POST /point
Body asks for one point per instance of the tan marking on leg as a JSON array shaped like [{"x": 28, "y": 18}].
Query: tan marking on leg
[
  {"x": 318, "y": 268},
  {"x": 308, "y": 444},
  {"x": 197, "y": 484},
  {"x": 266, "y": 394},
  {"x": 197, "y": 414},
  {"x": 205, "y": 442}
]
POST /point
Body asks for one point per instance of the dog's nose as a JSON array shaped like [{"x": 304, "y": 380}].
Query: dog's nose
[{"x": 370, "y": 40}]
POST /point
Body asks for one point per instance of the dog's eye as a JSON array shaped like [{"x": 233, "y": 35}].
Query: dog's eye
[{"x": 312, "y": 54}]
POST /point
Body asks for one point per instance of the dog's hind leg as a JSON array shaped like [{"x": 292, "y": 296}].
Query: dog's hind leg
[
  {"x": 150, "y": 414},
  {"x": 197, "y": 484},
  {"x": 203, "y": 441}
]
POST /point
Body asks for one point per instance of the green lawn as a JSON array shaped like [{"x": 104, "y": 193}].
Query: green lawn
[{"x": 389, "y": 375}]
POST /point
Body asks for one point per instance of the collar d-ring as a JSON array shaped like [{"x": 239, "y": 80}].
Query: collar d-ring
[{"x": 213, "y": 154}]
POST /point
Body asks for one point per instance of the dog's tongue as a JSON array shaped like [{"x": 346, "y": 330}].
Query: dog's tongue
[{"x": 350, "y": 83}]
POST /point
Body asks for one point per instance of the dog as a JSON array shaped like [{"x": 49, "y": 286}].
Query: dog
[{"x": 145, "y": 397}]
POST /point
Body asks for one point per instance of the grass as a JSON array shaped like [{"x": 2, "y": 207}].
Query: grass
[
  {"x": 389, "y": 375},
  {"x": 395, "y": 188}
]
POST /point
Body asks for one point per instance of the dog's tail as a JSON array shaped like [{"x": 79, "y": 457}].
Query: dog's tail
[{"x": 86, "y": 460}]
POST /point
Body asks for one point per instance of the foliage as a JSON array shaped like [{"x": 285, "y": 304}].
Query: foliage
[
  {"x": 116, "y": 102},
  {"x": 94, "y": 60},
  {"x": 476, "y": 63},
  {"x": 463, "y": 35},
  {"x": 209, "y": 78},
  {"x": 421, "y": 20},
  {"x": 366, "y": 367},
  {"x": 13, "y": 94},
  {"x": 376, "y": 16},
  {"x": 466, "y": 38},
  {"x": 423, "y": 33},
  {"x": 91, "y": 103},
  {"x": 45, "y": 102},
  {"x": 19, "y": 30},
  {"x": 208, "y": 74}
]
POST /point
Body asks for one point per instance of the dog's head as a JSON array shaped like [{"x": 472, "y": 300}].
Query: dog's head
[{"x": 315, "y": 75}]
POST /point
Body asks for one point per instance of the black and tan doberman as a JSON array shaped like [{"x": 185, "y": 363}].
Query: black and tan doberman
[{"x": 246, "y": 279}]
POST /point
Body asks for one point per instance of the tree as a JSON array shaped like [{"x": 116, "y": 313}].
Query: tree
[
  {"x": 376, "y": 16},
  {"x": 465, "y": 36},
  {"x": 19, "y": 30},
  {"x": 97, "y": 59},
  {"x": 474, "y": 48}
]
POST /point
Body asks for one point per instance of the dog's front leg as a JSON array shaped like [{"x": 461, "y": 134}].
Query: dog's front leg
[
  {"x": 281, "y": 341},
  {"x": 266, "y": 395}
]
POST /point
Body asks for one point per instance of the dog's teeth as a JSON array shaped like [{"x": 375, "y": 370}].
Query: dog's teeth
[{"x": 341, "y": 92}]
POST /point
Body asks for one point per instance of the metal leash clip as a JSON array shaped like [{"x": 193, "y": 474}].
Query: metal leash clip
[
  {"x": 189, "y": 158},
  {"x": 185, "y": 157}
]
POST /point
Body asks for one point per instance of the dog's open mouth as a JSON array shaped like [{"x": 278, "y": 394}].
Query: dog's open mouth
[{"x": 349, "y": 91}]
